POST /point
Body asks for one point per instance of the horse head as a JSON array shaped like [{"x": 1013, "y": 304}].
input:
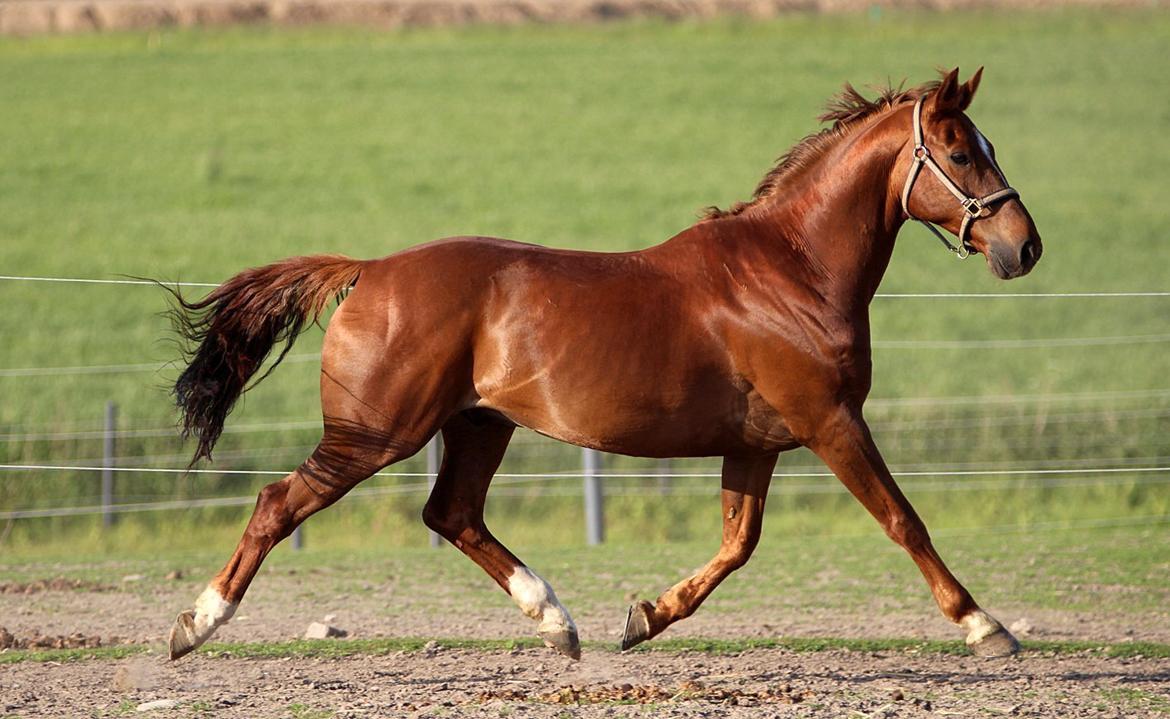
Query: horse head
[{"x": 988, "y": 216}]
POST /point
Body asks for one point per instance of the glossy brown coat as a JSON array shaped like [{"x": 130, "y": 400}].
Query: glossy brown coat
[{"x": 743, "y": 336}]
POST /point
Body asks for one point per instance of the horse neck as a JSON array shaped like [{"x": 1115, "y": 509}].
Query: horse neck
[{"x": 843, "y": 213}]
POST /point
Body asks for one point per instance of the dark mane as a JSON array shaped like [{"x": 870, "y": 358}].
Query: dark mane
[{"x": 846, "y": 110}]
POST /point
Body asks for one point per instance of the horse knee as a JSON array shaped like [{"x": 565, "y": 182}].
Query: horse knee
[{"x": 908, "y": 532}]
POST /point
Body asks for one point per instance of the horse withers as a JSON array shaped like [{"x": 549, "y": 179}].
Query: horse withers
[{"x": 743, "y": 336}]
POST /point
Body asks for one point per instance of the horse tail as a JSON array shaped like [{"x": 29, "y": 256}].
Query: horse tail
[{"x": 228, "y": 334}]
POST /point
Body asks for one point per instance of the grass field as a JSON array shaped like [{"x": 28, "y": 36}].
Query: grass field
[{"x": 189, "y": 156}]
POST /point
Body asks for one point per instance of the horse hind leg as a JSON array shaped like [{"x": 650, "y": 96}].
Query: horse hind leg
[
  {"x": 472, "y": 453},
  {"x": 348, "y": 454},
  {"x": 745, "y": 487}
]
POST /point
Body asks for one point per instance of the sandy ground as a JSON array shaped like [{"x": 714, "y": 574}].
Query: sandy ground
[
  {"x": 281, "y": 603},
  {"x": 29, "y": 17},
  {"x": 538, "y": 683}
]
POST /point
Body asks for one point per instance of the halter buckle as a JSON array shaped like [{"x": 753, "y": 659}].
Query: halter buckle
[{"x": 974, "y": 207}]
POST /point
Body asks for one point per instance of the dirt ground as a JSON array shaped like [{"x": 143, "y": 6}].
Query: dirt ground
[
  {"x": 30, "y": 17},
  {"x": 538, "y": 683},
  {"x": 282, "y": 602}
]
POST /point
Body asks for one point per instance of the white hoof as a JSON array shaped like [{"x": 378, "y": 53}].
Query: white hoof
[
  {"x": 986, "y": 637},
  {"x": 192, "y": 628},
  {"x": 537, "y": 600}
]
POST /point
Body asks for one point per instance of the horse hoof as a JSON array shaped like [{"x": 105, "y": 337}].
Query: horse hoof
[
  {"x": 564, "y": 641},
  {"x": 182, "y": 638},
  {"x": 999, "y": 643},
  {"x": 637, "y": 625}
]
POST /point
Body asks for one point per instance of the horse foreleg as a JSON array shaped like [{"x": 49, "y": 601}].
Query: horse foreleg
[
  {"x": 846, "y": 446},
  {"x": 471, "y": 455},
  {"x": 745, "y": 487}
]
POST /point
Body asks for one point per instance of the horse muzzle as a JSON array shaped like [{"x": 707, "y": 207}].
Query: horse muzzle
[{"x": 1009, "y": 260}]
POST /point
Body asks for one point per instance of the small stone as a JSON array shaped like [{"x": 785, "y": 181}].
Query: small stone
[
  {"x": 1021, "y": 627},
  {"x": 175, "y": 574},
  {"x": 158, "y": 704},
  {"x": 133, "y": 578},
  {"x": 430, "y": 648},
  {"x": 317, "y": 630},
  {"x": 329, "y": 618},
  {"x": 6, "y": 639},
  {"x": 897, "y": 695}
]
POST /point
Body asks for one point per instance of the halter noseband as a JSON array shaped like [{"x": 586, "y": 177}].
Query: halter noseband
[{"x": 973, "y": 207}]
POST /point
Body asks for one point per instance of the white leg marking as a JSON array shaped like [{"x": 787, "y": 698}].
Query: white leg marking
[
  {"x": 537, "y": 600},
  {"x": 979, "y": 625},
  {"x": 211, "y": 610}
]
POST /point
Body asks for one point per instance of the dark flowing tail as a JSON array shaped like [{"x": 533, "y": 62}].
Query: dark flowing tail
[{"x": 230, "y": 332}]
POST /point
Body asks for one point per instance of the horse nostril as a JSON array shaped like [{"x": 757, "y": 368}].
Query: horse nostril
[{"x": 1028, "y": 254}]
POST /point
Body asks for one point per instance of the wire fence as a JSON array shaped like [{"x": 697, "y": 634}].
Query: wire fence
[
  {"x": 553, "y": 485},
  {"x": 990, "y": 411}
]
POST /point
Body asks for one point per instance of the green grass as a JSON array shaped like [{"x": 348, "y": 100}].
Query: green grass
[
  {"x": 1137, "y": 699},
  {"x": 191, "y": 155},
  {"x": 335, "y": 649}
]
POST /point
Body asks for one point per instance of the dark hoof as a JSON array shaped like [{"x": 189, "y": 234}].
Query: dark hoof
[
  {"x": 637, "y": 625},
  {"x": 997, "y": 644},
  {"x": 564, "y": 641},
  {"x": 182, "y": 637}
]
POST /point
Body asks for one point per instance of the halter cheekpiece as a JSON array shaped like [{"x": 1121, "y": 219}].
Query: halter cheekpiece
[{"x": 973, "y": 207}]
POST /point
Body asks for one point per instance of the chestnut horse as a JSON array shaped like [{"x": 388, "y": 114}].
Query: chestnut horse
[{"x": 743, "y": 336}]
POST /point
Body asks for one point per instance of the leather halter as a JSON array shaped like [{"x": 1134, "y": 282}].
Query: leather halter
[{"x": 973, "y": 207}]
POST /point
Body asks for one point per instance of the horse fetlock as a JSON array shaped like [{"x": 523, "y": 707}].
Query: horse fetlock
[{"x": 193, "y": 627}]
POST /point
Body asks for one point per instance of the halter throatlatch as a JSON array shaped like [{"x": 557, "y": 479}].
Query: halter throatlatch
[{"x": 973, "y": 207}]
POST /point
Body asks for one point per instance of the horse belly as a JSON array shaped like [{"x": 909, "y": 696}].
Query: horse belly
[{"x": 660, "y": 412}]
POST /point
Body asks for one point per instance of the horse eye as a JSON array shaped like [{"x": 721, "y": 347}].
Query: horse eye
[{"x": 959, "y": 158}]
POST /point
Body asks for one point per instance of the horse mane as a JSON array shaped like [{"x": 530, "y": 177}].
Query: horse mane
[{"x": 847, "y": 110}]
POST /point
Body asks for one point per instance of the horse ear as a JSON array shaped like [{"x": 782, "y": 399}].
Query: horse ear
[
  {"x": 946, "y": 95},
  {"x": 967, "y": 89}
]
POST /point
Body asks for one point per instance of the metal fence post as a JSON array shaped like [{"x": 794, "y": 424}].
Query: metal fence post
[
  {"x": 108, "y": 447},
  {"x": 434, "y": 461},
  {"x": 665, "y": 467},
  {"x": 594, "y": 499}
]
